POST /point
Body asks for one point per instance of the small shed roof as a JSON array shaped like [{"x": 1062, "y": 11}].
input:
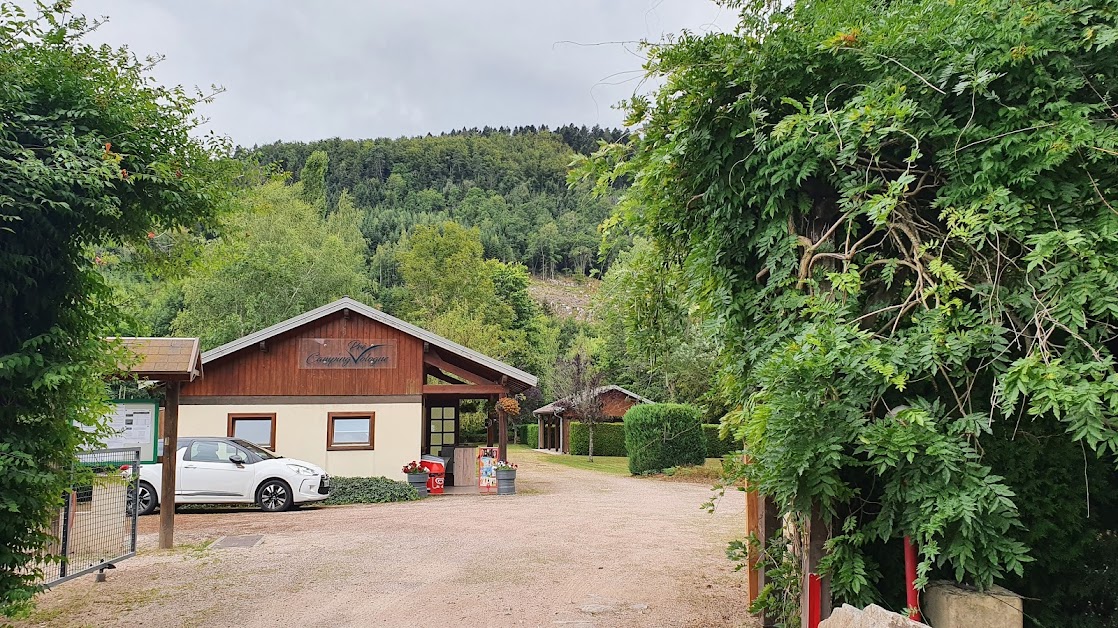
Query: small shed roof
[
  {"x": 557, "y": 405},
  {"x": 165, "y": 359}
]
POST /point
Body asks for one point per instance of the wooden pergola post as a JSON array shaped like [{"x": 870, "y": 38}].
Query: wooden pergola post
[
  {"x": 170, "y": 460},
  {"x": 761, "y": 521},
  {"x": 502, "y": 433}
]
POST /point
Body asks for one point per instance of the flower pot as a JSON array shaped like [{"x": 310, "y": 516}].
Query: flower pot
[
  {"x": 419, "y": 483},
  {"x": 506, "y": 481}
]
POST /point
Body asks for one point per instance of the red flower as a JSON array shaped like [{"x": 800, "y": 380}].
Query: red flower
[{"x": 151, "y": 235}]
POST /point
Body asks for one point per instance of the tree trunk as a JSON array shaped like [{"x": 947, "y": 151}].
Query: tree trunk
[{"x": 591, "y": 446}]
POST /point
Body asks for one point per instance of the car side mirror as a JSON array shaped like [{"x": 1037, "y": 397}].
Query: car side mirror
[{"x": 237, "y": 460}]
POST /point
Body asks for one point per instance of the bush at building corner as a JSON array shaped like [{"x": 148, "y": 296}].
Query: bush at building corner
[
  {"x": 663, "y": 435},
  {"x": 718, "y": 447},
  {"x": 531, "y": 435},
  {"x": 609, "y": 439},
  {"x": 379, "y": 490}
]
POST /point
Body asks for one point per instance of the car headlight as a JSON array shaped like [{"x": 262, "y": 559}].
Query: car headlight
[{"x": 301, "y": 470}]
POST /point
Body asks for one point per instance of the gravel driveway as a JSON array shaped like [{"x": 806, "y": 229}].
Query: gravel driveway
[{"x": 574, "y": 548}]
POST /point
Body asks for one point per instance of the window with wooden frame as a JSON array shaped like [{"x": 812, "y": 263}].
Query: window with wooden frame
[
  {"x": 255, "y": 427},
  {"x": 349, "y": 430}
]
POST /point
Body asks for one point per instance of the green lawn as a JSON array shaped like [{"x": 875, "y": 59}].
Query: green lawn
[
  {"x": 619, "y": 465},
  {"x": 615, "y": 465}
]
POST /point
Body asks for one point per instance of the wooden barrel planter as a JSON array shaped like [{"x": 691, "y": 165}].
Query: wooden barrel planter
[
  {"x": 506, "y": 481},
  {"x": 419, "y": 483}
]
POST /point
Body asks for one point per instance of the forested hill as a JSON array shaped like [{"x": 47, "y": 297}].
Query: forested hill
[{"x": 510, "y": 183}]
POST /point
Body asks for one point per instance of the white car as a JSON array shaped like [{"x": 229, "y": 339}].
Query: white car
[{"x": 220, "y": 470}]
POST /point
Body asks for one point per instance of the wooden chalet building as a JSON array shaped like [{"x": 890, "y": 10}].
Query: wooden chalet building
[
  {"x": 555, "y": 418},
  {"x": 347, "y": 387}
]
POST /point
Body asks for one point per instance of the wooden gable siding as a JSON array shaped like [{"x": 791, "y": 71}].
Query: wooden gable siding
[
  {"x": 616, "y": 403},
  {"x": 275, "y": 371},
  {"x": 614, "y": 406}
]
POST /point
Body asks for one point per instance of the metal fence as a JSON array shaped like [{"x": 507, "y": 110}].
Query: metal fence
[{"x": 96, "y": 526}]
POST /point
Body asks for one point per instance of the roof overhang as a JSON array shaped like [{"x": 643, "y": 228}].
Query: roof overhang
[
  {"x": 557, "y": 406},
  {"x": 163, "y": 359}
]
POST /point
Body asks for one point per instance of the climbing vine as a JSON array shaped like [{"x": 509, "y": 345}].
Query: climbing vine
[{"x": 903, "y": 217}]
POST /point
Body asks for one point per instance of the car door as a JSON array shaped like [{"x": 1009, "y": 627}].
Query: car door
[{"x": 207, "y": 475}]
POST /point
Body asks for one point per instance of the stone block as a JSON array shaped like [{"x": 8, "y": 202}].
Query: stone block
[
  {"x": 946, "y": 605},
  {"x": 872, "y": 616}
]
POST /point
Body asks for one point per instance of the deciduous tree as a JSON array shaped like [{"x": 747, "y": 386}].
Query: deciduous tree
[{"x": 91, "y": 151}]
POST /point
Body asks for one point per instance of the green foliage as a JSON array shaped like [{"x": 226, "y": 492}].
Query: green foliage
[
  {"x": 313, "y": 178},
  {"x": 278, "y": 257},
  {"x": 531, "y": 434},
  {"x": 91, "y": 151},
  {"x": 507, "y": 183},
  {"x": 1068, "y": 497},
  {"x": 651, "y": 343},
  {"x": 451, "y": 289},
  {"x": 717, "y": 446},
  {"x": 779, "y": 599},
  {"x": 378, "y": 490},
  {"x": 901, "y": 218},
  {"x": 472, "y": 426},
  {"x": 609, "y": 439},
  {"x": 663, "y": 435}
]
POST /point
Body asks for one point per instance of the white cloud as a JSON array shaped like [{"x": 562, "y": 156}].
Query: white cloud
[{"x": 295, "y": 70}]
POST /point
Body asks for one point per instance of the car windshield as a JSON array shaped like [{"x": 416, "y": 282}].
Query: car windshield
[{"x": 259, "y": 451}]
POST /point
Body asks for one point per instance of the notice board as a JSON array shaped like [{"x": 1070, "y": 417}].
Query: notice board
[
  {"x": 134, "y": 423},
  {"x": 487, "y": 469}
]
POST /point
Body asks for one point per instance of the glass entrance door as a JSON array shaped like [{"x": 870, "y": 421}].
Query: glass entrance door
[{"x": 442, "y": 428}]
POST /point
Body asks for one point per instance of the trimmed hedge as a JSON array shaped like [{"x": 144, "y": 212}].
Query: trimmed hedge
[
  {"x": 663, "y": 435},
  {"x": 717, "y": 447},
  {"x": 378, "y": 490},
  {"x": 609, "y": 439},
  {"x": 531, "y": 435}
]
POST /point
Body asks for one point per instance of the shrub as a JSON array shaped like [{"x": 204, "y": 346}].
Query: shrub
[
  {"x": 609, "y": 439},
  {"x": 532, "y": 435},
  {"x": 718, "y": 447},
  {"x": 663, "y": 435},
  {"x": 379, "y": 490}
]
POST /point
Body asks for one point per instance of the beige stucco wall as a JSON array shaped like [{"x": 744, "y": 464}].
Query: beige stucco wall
[{"x": 301, "y": 433}]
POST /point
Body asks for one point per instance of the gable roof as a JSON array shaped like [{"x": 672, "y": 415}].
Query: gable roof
[
  {"x": 165, "y": 359},
  {"x": 556, "y": 406},
  {"x": 526, "y": 379}
]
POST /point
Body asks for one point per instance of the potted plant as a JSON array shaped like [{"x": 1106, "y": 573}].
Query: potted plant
[
  {"x": 509, "y": 405},
  {"x": 417, "y": 477},
  {"x": 506, "y": 477}
]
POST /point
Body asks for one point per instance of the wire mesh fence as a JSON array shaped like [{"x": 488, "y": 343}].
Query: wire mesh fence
[{"x": 96, "y": 525}]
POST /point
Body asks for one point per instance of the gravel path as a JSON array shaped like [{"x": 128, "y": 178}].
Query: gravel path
[{"x": 574, "y": 548}]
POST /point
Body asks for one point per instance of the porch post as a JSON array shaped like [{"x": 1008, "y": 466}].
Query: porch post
[{"x": 502, "y": 434}]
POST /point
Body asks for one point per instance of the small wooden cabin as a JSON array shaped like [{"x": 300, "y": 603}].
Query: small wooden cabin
[{"x": 555, "y": 418}]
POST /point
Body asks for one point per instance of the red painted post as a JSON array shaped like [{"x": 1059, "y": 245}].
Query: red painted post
[
  {"x": 815, "y": 600},
  {"x": 910, "y": 578}
]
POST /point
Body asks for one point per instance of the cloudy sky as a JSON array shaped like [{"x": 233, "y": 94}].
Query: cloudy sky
[{"x": 297, "y": 70}]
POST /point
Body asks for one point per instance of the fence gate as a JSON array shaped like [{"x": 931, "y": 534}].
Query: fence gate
[{"x": 97, "y": 523}]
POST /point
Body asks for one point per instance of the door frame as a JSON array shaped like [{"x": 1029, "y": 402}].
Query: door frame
[{"x": 431, "y": 403}]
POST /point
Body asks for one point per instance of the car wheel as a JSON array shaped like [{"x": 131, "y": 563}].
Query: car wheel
[
  {"x": 274, "y": 496},
  {"x": 145, "y": 494}
]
